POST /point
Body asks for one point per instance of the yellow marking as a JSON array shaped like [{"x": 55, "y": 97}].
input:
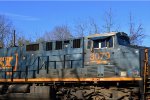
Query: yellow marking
[
  {"x": 72, "y": 79},
  {"x": 100, "y": 57},
  {"x": 2, "y": 59},
  {"x": 146, "y": 69},
  {"x": 7, "y": 60},
  {"x": 15, "y": 67},
  {"x": 1, "y": 64},
  {"x": 8, "y": 65}
]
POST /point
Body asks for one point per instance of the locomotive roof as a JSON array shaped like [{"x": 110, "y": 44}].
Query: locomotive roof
[{"x": 104, "y": 34}]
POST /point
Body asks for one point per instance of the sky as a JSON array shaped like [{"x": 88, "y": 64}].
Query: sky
[{"x": 33, "y": 18}]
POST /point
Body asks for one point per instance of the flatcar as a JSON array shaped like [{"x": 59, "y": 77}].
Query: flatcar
[{"x": 96, "y": 67}]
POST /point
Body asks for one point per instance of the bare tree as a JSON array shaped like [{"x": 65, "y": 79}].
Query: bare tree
[
  {"x": 21, "y": 41},
  {"x": 40, "y": 39},
  {"x": 59, "y": 33},
  {"x": 80, "y": 29},
  {"x": 48, "y": 36},
  {"x": 6, "y": 31},
  {"x": 108, "y": 21},
  {"x": 93, "y": 26},
  {"x": 83, "y": 28},
  {"x": 136, "y": 31}
]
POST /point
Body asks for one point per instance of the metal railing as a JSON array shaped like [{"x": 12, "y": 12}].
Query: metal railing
[{"x": 20, "y": 74}]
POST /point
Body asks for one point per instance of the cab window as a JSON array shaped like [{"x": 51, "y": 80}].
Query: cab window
[
  {"x": 123, "y": 40},
  {"x": 101, "y": 42}
]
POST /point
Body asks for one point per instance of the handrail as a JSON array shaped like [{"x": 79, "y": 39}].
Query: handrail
[
  {"x": 36, "y": 59},
  {"x": 33, "y": 62},
  {"x": 34, "y": 70},
  {"x": 25, "y": 69},
  {"x": 42, "y": 65}
]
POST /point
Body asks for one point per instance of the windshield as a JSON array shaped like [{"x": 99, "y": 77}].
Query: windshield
[{"x": 123, "y": 40}]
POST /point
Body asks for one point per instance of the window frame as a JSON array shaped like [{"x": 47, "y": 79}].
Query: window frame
[
  {"x": 100, "y": 41},
  {"x": 33, "y": 47}
]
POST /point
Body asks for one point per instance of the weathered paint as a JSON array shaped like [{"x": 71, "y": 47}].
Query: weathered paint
[{"x": 104, "y": 64}]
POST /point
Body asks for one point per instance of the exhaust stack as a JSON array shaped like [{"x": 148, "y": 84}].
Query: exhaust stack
[{"x": 14, "y": 42}]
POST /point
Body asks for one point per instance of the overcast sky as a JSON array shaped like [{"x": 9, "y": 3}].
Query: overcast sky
[{"x": 34, "y": 18}]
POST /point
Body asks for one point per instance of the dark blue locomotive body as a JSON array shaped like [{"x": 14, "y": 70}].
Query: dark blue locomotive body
[{"x": 97, "y": 59}]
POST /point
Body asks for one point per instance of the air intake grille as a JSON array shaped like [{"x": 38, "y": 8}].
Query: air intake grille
[
  {"x": 76, "y": 43},
  {"x": 49, "y": 46},
  {"x": 32, "y": 47}
]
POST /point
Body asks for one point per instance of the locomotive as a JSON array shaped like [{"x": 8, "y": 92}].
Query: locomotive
[{"x": 96, "y": 67}]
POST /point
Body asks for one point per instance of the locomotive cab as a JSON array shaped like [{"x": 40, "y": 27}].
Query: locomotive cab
[
  {"x": 112, "y": 51},
  {"x": 108, "y": 40}
]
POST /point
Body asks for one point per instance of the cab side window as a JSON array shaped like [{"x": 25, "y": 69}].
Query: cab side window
[
  {"x": 101, "y": 43},
  {"x": 109, "y": 42},
  {"x": 96, "y": 44}
]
